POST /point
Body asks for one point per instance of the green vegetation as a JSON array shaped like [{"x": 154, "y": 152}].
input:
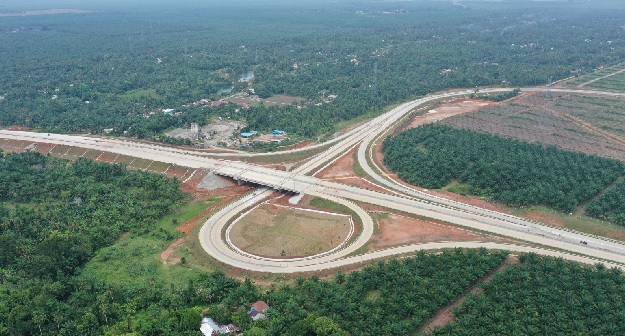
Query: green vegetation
[
  {"x": 388, "y": 298},
  {"x": 323, "y": 203},
  {"x": 544, "y": 296},
  {"x": 118, "y": 67},
  {"x": 135, "y": 259},
  {"x": 610, "y": 205},
  {"x": 54, "y": 216},
  {"x": 509, "y": 171}
]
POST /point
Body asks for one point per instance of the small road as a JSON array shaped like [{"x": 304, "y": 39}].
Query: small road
[{"x": 557, "y": 242}]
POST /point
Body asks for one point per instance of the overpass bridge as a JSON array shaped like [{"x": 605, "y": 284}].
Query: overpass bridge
[{"x": 597, "y": 249}]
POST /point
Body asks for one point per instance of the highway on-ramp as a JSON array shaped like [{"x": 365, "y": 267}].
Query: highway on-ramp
[{"x": 554, "y": 241}]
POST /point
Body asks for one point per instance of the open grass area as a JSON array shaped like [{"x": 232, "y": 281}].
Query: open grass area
[
  {"x": 92, "y": 154},
  {"x": 273, "y": 231},
  {"x": 140, "y": 163},
  {"x": 579, "y": 223},
  {"x": 158, "y": 167},
  {"x": 135, "y": 259}
]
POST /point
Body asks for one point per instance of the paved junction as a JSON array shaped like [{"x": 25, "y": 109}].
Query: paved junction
[{"x": 544, "y": 239}]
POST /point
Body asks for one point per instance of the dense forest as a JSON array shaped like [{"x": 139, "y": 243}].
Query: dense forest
[
  {"x": 544, "y": 296},
  {"x": 509, "y": 171},
  {"x": 112, "y": 68}
]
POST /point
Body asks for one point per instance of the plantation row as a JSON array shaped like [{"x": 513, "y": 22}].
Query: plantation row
[
  {"x": 509, "y": 171},
  {"x": 393, "y": 298},
  {"x": 544, "y": 296}
]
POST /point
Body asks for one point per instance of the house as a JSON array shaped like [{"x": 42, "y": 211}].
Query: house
[
  {"x": 248, "y": 134},
  {"x": 168, "y": 111},
  {"x": 278, "y": 132},
  {"x": 257, "y": 310},
  {"x": 209, "y": 327}
]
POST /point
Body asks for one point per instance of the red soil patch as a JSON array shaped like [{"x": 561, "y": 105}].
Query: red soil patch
[
  {"x": 342, "y": 167},
  {"x": 44, "y": 148},
  {"x": 177, "y": 171},
  {"x": 544, "y": 218},
  {"x": 396, "y": 230},
  {"x": 187, "y": 226},
  {"x": 166, "y": 256},
  {"x": 15, "y": 146},
  {"x": 342, "y": 171},
  {"x": 444, "y": 111},
  {"x": 298, "y": 145}
]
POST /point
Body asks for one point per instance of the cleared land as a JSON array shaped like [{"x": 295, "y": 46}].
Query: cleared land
[
  {"x": 281, "y": 100},
  {"x": 275, "y": 231},
  {"x": 592, "y": 79},
  {"x": 588, "y": 124},
  {"x": 218, "y": 131}
]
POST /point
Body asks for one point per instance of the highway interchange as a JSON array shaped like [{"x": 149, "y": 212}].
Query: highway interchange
[{"x": 545, "y": 240}]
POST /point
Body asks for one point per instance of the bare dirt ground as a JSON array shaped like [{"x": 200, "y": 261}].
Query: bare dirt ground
[
  {"x": 218, "y": 131},
  {"x": 279, "y": 100},
  {"x": 588, "y": 124},
  {"x": 446, "y": 110},
  {"x": 545, "y": 218},
  {"x": 342, "y": 171},
  {"x": 275, "y": 231},
  {"x": 446, "y": 315},
  {"x": 396, "y": 230}
]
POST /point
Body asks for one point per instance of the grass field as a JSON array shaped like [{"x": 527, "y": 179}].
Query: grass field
[
  {"x": 136, "y": 257},
  {"x": 273, "y": 231}
]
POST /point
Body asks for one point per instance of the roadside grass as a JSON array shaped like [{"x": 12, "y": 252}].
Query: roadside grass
[
  {"x": 140, "y": 163},
  {"x": 135, "y": 259},
  {"x": 123, "y": 159},
  {"x": 457, "y": 187},
  {"x": 322, "y": 203},
  {"x": 579, "y": 223},
  {"x": 91, "y": 154},
  {"x": 358, "y": 170},
  {"x": 158, "y": 167}
]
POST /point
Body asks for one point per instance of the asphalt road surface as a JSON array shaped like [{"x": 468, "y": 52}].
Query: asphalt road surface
[{"x": 556, "y": 242}]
